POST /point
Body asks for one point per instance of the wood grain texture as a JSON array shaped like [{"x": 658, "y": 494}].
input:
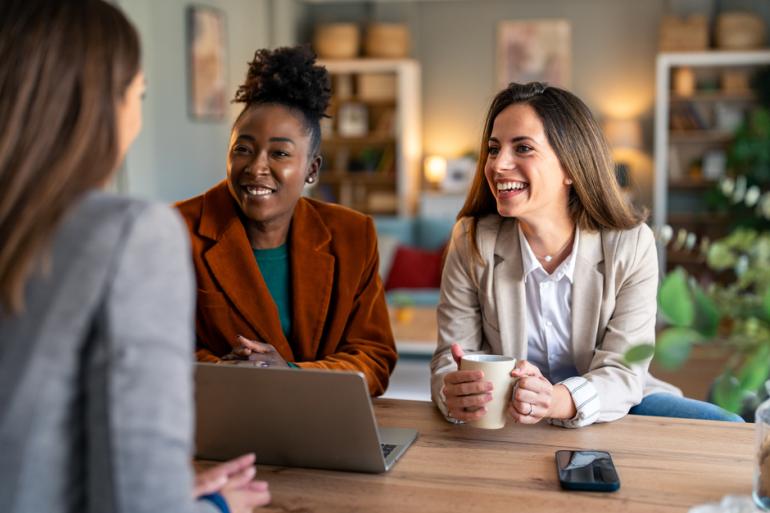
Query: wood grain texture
[{"x": 665, "y": 465}]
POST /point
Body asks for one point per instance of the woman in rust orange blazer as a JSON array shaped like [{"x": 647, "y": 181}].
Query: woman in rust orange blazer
[{"x": 284, "y": 280}]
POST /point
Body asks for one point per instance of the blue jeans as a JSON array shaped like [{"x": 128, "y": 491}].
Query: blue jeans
[{"x": 669, "y": 405}]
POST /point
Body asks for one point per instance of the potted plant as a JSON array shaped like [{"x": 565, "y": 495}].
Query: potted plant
[
  {"x": 734, "y": 312},
  {"x": 735, "y": 315}
]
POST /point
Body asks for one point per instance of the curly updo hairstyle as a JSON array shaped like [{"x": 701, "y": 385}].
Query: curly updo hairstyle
[{"x": 289, "y": 76}]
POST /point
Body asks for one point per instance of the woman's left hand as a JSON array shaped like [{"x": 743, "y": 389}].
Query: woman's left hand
[
  {"x": 258, "y": 354},
  {"x": 532, "y": 394}
]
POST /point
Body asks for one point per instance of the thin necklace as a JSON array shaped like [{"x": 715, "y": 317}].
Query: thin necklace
[{"x": 547, "y": 258}]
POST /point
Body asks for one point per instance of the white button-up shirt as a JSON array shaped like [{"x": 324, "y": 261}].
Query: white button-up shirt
[{"x": 549, "y": 329}]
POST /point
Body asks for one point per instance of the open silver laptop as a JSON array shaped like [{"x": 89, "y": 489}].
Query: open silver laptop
[{"x": 291, "y": 417}]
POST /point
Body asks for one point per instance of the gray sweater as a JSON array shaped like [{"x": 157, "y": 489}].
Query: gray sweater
[{"x": 96, "y": 374}]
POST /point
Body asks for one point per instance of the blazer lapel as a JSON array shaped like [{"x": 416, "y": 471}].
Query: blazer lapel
[
  {"x": 312, "y": 272},
  {"x": 234, "y": 267},
  {"x": 508, "y": 284},
  {"x": 588, "y": 283}
]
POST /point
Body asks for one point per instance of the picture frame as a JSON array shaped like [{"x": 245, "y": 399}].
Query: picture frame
[
  {"x": 534, "y": 50},
  {"x": 206, "y": 57},
  {"x": 459, "y": 174},
  {"x": 352, "y": 119}
]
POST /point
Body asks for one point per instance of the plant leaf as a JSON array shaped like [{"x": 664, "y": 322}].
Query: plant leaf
[
  {"x": 766, "y": 304},
  {"x": 676, "y": 302},
  {"x": 755, "y": 369},
  {"x": 728, "y": 393},
  {"x": 707, "y": 315},
  {"x": 720, "y": 256},
  {"x": 639, "y": 353},
  {"x": 673, "y": 346}
]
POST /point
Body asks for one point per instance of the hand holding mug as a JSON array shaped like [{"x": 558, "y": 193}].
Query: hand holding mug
[
  {"x": 465, "y": 391},
  {"x": 532, "y": 396}
]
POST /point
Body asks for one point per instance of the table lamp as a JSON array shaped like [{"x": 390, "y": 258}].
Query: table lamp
[
  {"x": 622, "y": 135},
  {"x": 435, "y": 170}
]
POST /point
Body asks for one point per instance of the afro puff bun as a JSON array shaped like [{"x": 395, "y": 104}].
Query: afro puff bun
[{"x": 287, "y": 76}]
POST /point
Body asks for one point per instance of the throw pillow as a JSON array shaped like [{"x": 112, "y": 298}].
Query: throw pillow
[{"x": 415, "y": 268}]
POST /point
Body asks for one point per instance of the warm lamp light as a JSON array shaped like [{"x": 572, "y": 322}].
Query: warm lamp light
[
  {"x": 435, "y": 170},
  {"x": 623, "y": 133}
]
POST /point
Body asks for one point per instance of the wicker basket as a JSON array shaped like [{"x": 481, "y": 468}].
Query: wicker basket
[
  {"x": 739, "y": 31},
  {"x": 686, "y": 34},
  {"x": 337, "y": 40},
  {"x": 387, "y": 40}
]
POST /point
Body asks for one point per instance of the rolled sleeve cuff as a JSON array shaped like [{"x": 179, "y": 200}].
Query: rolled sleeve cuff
[{"x": 586, "y": 400}]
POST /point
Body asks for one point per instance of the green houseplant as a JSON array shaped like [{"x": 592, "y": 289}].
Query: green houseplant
[
  {"x": 735, "y": 316},
  {"x": 733, "y": 313}
]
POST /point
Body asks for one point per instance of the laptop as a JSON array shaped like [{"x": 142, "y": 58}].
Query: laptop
[{"x": 293, "y": 417}]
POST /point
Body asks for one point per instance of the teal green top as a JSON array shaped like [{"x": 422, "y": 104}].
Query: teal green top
[{"x": 274, "y": 265}]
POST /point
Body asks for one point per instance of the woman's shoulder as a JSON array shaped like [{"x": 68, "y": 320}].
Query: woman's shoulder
[
  {"x": 487, "y": 229},
  {"x": 628, "y": 245},
  {"x": 639, "y": 234},
  {"x": 101, "y": 213}
]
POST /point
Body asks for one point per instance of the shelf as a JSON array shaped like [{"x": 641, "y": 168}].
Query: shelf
[
  {"x": 715, "y": 96},
  {"x": 368, "y": 140},
  {"x": 691, "y": 184},
  {"x": 700, "y": 136},
  {"x": 362, "y": 177},
  {"x": 675, "y": 218},
  {"x": 381, "y": 102}
]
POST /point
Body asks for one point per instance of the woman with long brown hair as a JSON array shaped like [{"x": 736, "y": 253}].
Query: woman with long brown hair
[
  {"x": 96, "y": 291},
  {"x": 549, "y": 264}
]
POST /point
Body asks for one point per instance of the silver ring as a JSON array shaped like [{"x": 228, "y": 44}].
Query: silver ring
[
  {"x": 267, "y": 364},
  {"x": 530, "y": 409}
]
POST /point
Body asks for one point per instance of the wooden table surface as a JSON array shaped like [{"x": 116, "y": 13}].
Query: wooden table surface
[{"x": 664, "y": 465}]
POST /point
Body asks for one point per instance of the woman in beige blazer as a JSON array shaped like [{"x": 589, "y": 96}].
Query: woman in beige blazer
[{"x": 549, "y": 264}]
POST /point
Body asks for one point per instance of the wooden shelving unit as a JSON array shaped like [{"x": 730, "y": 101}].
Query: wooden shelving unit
[
  {"x": 687, "y": 128},
  {"x": 373, "y": 166}
]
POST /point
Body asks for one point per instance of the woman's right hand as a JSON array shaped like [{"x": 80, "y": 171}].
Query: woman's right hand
[
  {"x": 466, "y": 392},
  {"x": 234, "y": 481}
]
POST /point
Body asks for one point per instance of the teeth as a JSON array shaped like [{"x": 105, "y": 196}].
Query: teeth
[
  {"x": 252, "y": 190},
  {"x": 511, "y": 186}
]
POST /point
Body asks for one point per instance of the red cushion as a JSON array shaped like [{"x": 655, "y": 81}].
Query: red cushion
[{"x": 415, "y": 268}]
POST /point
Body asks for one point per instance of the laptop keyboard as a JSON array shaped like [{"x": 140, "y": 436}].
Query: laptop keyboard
[{"x": 387, "y": 449}]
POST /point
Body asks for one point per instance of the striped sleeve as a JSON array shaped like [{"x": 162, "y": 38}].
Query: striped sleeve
[{"x": 586, "y": 400}]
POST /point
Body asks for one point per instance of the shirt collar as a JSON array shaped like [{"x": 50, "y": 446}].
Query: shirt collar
[{"x": 530, "y": 262}]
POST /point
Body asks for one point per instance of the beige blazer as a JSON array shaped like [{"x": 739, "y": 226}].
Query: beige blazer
[{"x": 614, "y": 302}]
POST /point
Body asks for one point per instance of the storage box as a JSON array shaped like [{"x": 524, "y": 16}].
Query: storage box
[
  {"x": 336, "y": 40},
  {"x": 683, "y": 34},
  {"x": 387, "y": 40},
  {"x": 739, "y": 31},
  {"x": 735, "y": 81},
  {"x": 376, "y": 86}
]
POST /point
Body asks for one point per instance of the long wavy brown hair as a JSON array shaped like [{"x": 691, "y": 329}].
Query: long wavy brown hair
[
  {"x": 595, "y": 201},
  {"x": 64, "y": 68}
]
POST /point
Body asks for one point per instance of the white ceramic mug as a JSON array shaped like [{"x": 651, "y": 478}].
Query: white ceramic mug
[{"x": 497, "y": 369}]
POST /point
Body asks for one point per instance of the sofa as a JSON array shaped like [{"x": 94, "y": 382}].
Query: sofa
[{"x": 411, "y": 257}]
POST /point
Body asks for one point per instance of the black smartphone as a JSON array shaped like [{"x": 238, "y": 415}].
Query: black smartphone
[{"x": 591, "y": 471}]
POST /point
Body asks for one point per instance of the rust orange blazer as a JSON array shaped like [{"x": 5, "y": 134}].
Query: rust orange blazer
[{"x": 339, "y": 316}]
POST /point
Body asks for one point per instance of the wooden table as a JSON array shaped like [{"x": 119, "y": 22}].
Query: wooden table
[{"x": 664, "y": 465}]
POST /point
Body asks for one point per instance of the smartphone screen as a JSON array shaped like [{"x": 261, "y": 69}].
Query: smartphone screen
[{"x": 587, "y": 470}]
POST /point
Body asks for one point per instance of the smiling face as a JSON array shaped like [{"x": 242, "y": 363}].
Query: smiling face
[
  {"x": 522, "y": 170},
  {"x": 268, "y": 163}
]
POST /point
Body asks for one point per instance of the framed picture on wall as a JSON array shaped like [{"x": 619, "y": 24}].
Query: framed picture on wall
[
  {"x": 534, "y": 50},
  {"x": 206, "y": 57}
]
